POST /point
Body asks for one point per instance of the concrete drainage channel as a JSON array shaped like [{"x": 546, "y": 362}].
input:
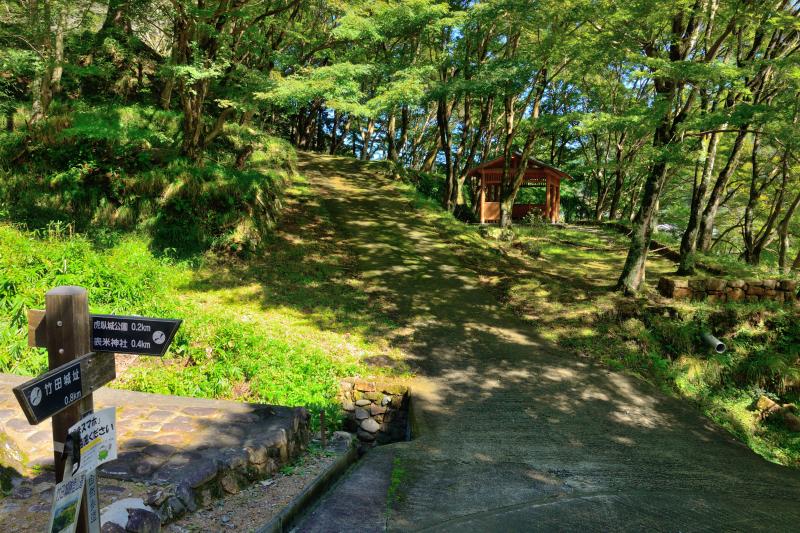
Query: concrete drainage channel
[{"x": 377, "y": 414}]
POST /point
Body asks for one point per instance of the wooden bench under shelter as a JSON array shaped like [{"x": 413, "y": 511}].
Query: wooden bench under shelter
[{"x": 489, "y": 176}]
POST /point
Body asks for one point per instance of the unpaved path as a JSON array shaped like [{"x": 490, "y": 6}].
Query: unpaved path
[{"x": 515, "y": 434}]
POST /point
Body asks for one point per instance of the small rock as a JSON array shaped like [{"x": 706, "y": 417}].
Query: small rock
[
  {"x": 342, "y": 435},
  {"x": 201, "y": 472},
  {"x": 361, "y": 414},
  {"x": 716, "y": 284},
  {"x": 362, "y": 403},
  {"x": 386, "y": 400},
  {"x": 364, "y": 386},
  {"x": 228, "y": 483},
  {"x": 395, "y": 389},
  {"x": 111, "y": 527},
  {"x": 347, "y": 405},
  {"x": 376, "y": 410},
  {"x": 185, "y": 493},
  {"x": 766, "y": 405},
  {"x": 143, "y": 521},
  {"x": 42, "y": 487},
  {"x": 365, "y": 436},
  {"x": 370, "y": 425},
  {"x": 23, "y": 492},
  {"x": 175, "y": 507},
  {"x": 268, "y": 482},
  {"x": 791, "y": 421},
  {"x": 39, "y": 508},
  {"x": 735, "y": 295},
  {"x": 156, "y": 497},
  {"x": 225, "y": 519}
]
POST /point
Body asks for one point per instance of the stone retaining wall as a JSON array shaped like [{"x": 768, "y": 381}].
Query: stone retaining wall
[
  {"x": 186, "y": 489},
  {"x": 376, "y": 412},
  {"x": 724, "y": 290}
]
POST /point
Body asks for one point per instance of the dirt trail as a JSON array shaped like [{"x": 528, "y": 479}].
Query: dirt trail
[{"x": 517, "y": 434}]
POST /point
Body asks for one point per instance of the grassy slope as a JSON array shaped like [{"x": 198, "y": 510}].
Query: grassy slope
[{"x": 280, "y": 328}]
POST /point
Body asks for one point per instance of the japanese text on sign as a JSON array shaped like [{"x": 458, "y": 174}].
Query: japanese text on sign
[{"x": 98, "y": 438}]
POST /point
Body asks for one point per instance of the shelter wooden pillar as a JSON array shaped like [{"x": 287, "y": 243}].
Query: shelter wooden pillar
[
  {"x": 481, "y": 198},
  {"x": 547, "y": 199},
  {"x": 557, "y": 205}
]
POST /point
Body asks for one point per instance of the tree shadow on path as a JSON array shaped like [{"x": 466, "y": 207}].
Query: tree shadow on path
[{"x": 517, "y": 433}]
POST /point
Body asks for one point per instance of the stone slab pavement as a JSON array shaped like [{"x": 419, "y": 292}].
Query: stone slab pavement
[
  {"x": 185, "y": 445},
  {"x": 514, "y": 433}
]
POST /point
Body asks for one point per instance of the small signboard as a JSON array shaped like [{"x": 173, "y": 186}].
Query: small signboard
[
  {"x": 66, "y": 505},
  {"x": 133, "y": 334},
  {"x": 51, "y": 392},
  {"x": 57, "y": 389},
  {"x": 92, "y": 502},
  {"x": 98, "y": 439}
]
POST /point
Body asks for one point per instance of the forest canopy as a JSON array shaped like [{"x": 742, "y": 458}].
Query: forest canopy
[{"x": 678, "y": 115}]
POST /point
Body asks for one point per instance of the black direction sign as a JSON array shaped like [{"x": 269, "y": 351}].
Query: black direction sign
[
  {"x": 57, "y": 389},
  {"x": 133, "y": 334}
]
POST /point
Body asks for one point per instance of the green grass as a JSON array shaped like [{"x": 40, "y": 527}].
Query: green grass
[
  {"x": 282, "y": 327},
  {"x": 398, "y": 477}
]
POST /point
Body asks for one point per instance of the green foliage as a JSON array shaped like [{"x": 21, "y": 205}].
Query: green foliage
[
  {"x": 126, "y": 278},
  {"x": 115, "y": 167},
  {"x": 226, "y": 348}
]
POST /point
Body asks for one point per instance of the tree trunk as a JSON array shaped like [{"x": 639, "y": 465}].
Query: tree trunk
[
  {"x": 320, "y": 119},
  {"x": 705, "y": 232},
  {"x": 796, "y": 262},
  {"x": 633, "y": 272},
  {"x": 243, "y": 156},
  {"x": 602, "y": 194},
  {"x": 430, "y": 159},
  {"x": 403, "y": 129},
  {"x": 10, "y": 120},
  {"x": 689, "y": 239},
  {"x": 450, "y": 185},
  {"x": 366, "y": 138},
  {"x": 619, "y": 181},
  {"x": 783, "y": 234},
  {"x": 58, "y": 52},
  {"x": 391, "y": 146}
]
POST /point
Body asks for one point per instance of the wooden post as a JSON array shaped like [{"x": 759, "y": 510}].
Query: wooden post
[
  {"x": 68, "y": 337},
  {"x": 547, "y": 201},
  {"x": 481, "y": 199},
  {"x": 558, "y": 199},
  {"x": 322, "y": 431}
]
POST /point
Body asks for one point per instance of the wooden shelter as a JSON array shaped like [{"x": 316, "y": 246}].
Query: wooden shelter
[{"x": 537, "y": 174}]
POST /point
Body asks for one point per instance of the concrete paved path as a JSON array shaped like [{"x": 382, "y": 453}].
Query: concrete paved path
[{"x": 517, "y": 435}]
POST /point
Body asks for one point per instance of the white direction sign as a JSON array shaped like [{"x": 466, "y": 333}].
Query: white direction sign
[
  {"x": 133, "y": 334},
  {"x": 98, "y": 434}
]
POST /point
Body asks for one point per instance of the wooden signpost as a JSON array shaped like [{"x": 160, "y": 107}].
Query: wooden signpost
[{"x": 80, "y": 351}]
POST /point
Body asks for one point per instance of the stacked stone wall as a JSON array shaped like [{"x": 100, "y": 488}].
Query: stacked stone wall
[
  {"x": 376, "y": 412},
  {"x": 725, "y": 290}
]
